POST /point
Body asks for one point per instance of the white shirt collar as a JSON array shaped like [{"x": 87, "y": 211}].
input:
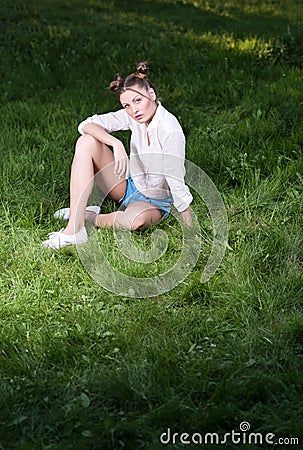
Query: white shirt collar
[{"x": 157, "y": 117}]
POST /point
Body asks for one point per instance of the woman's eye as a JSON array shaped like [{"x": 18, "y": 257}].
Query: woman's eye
[{"x": 138, "y": 100}]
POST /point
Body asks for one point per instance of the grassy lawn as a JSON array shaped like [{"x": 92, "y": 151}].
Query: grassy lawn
[{"x": 83, "y": 368}]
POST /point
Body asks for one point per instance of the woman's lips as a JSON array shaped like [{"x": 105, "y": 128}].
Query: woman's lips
[{"x": 139, "y": 116}]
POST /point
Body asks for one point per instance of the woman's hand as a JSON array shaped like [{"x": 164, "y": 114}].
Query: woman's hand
[
  {"x": 121, "y": 168},
  {"x": 187, "y": 217}
]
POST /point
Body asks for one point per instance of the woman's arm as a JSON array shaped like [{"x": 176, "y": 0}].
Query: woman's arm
[
  {"x": 120, "y": 155},
  {"x": 99, "y": 133},
  {"x": 174, "y": 171}
]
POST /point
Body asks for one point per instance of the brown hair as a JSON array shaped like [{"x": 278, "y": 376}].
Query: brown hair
[{"x": 138, "y": 78}]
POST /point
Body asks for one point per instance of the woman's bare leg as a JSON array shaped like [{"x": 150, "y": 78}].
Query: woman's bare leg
[
  {"x": 90, "y": 157},
  {"x": 138, "y": 215}
]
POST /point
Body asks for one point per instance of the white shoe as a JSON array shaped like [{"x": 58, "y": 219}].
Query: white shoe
[
  {"x": 64, "y": 212},
  {"x": 58, "y": 239}
]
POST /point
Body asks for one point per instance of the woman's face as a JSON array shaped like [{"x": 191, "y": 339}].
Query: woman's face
[{"x": 139, "y": 103}]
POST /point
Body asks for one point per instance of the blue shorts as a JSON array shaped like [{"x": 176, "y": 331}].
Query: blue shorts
[{"x": 132, "y": 194}]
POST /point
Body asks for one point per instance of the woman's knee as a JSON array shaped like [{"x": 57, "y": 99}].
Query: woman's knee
[
  {"x": 127, "y": 221},
  {"x": 145, "y": 219},
  {"x": 142, "y": 219},
  {"x": 86, "y": 144},
  {"x": 138, "y": 223}
]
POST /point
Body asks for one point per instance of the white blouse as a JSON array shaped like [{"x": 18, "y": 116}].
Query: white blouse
[{"x": 157, "y": 153}]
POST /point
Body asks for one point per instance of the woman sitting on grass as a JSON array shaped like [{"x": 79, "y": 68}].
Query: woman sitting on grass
[{"x": 156, "y": 164}]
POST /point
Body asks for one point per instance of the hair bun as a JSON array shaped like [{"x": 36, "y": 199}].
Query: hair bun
[
  {"x": 132, "y": 81},
  {"x": 142, "y": 68},
  {"x": 115, "y": 84}
]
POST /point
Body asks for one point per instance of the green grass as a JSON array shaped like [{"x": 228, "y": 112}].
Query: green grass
[{"x": 82, "y": 368}]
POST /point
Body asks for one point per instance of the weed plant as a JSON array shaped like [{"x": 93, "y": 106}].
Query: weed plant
[{"x": 82, "y": 368}]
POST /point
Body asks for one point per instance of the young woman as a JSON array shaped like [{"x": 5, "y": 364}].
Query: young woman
[{"x": 147, "y": 183}]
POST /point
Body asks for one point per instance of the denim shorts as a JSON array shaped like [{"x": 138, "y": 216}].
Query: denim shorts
[{"x": 132, "y": 194}]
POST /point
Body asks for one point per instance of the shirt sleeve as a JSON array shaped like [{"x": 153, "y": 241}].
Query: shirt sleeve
[
  {"x": 112, "y": 121},
  {"x": 174, "y": 169}
]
